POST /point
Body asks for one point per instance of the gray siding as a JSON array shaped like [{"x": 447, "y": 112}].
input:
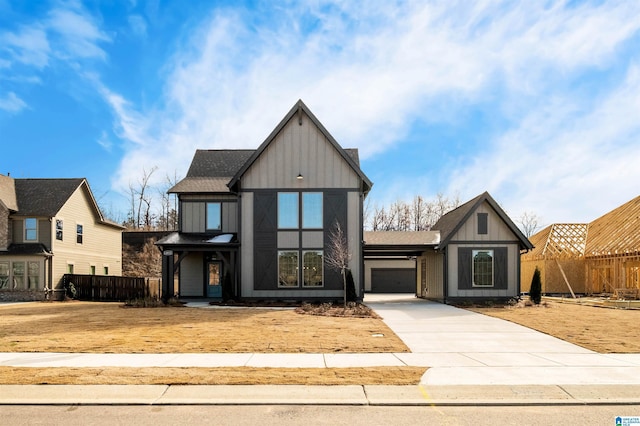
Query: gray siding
[
  {"x": 300, "y": 149},
  {"x": 455, "y": 281},
  {"x": 192, "y": 276},
  {"x": 433, "y": 287},
  {"x": 193, "y": 216}
]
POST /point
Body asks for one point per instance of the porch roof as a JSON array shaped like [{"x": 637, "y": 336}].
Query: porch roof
[{"x": 204, "y": 242}]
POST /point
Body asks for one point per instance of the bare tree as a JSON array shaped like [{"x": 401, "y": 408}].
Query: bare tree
[
  {"x": 528, "y": 223},
  {"x": 338, "y": 255}
]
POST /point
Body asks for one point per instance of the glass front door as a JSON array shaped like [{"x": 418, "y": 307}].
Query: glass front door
[{"x": 214, "y": 282}]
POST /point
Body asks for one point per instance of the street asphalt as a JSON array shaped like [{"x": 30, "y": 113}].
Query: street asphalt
[{"x": 473, "y": 359}]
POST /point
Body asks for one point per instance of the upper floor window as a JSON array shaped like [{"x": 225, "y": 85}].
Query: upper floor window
[
  {"x": 288, "y": 210},
  {"x": 79, "y": 234},
  {"x": 214, "y": 216},
  {"x": 312, "y": 210},
  {"x": 30, "y": 229},
  {"x": 290, "y": 204},
  {"x": 59, "y": 227},
  {"x": 482, "y": 268}
]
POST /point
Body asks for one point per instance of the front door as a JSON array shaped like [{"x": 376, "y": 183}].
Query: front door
[{"x": 214, "y": 282}]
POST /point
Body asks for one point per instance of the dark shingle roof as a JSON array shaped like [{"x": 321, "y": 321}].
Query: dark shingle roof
[
  {"x": 451, "y": 222},
  {"x": 218, "y": 162},
  {"x": 26, "y": 249},
  {"x": 44, "y": 197}
]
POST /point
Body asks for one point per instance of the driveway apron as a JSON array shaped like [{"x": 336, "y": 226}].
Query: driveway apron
[{"x": 466, "y": 348}]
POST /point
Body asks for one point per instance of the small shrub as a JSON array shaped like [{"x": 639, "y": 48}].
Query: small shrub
[{"x": 535, "y": 294}]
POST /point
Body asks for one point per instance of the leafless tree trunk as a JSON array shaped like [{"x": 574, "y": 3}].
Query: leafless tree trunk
[{"x": 338, "y": 255}]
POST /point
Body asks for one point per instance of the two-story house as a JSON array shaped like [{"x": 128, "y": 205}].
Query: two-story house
[
  {"x": 49, "y": 227},
  {"x": 258, "y": 223}
]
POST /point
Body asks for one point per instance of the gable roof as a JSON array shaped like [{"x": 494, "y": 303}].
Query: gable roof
[
  {"x": 452, "y": 221},
  {"x": 8, "y": 193},
  {"x": 45, "y": 197},
  {"x": 298, "y": 109}
]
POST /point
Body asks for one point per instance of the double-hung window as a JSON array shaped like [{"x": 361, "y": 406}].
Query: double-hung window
[
  {"x": 79, "y": 233},
  {"x": 30, "y": 229},
  {"x": 59, "y": 228}
]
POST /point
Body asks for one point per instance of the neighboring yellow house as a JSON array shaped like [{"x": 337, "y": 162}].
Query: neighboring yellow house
[{"x": 48, "y": 228}]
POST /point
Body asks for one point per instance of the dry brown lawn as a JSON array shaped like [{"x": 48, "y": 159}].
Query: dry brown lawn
[
  {"x": 110, "y": 328},
  {"x": 601, "y": 330}
]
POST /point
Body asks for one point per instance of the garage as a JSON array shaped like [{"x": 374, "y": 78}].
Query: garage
[{"x": 396, "y": 280}]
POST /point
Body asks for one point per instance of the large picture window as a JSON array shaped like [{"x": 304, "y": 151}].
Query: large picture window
[
  {"x": 214, "y": 216},
  {"x": 30, "y": 229},
  {"x": 312, "y": 271},
  {"x": 312, "y": 210},
  {"x": 482, "y": 268},
  {"x": 288, "y": 269},
  {"x": 33, "y": 269},
  {"x": 290, "y": 204},
  {"x": 288, "y": 210},
  {"x": 18, "y": 275}
]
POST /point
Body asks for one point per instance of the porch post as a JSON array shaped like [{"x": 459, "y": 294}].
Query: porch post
[{"x": 167, "y": 275}]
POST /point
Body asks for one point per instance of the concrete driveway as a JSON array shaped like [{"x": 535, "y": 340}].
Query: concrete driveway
[{"x": 466, "y": 348}]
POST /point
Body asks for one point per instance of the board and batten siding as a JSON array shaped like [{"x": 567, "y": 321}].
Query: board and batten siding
[
  {"x": 101, "y": 246},
  {"x": 193, "y": 216},
  {"x": 192, "y": 276},
  {"x": 512, "y": 262},
  {"x": 431, "y": 284},
  {"x": 497, "y": 229},
  {"x": 300, "y": 149}
]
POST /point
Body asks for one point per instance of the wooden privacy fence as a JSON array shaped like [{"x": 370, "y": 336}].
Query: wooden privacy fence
[{"x": 106, "y": 288}]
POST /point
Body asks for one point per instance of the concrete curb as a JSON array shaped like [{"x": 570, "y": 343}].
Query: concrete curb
[{"x": 374, "y": 395}]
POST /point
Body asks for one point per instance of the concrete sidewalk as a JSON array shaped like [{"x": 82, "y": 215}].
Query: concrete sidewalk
[
  {"x": 473, "y": 360},
  {"x": 317, "y": 395}
]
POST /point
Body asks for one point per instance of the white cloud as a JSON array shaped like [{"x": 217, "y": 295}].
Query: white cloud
[
  {"x": 12, "y": 103},
  {"x": 28, "y": 45},
  {"x": 370, "y": 73},
  {"x": 79, "y": 36}
]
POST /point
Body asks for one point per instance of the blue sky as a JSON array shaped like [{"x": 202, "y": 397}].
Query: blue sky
[{"x": 536, "y": 102}]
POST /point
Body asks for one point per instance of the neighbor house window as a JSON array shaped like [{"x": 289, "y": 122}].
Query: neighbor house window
[
  {"x": 33, "y": 271},
  {"x": 59, "y": 229},
  {"x": 79, "y": 234},
  {"x": 4, "y": 275},
  {"x": 288, "y": 210},
  {"x": 288, "y": 269},
  {"x": 69, "y": 268},
  {"x": 312, "y": 268},
  {"x": 30, "y": 229},
  {"x": 482, "y": 268},
  {"x": 214, "y": 216},
  {"x": 18, "y": 274},
  {"x": 93, "y": 269},
  {"x": 106, "y": 270}
]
